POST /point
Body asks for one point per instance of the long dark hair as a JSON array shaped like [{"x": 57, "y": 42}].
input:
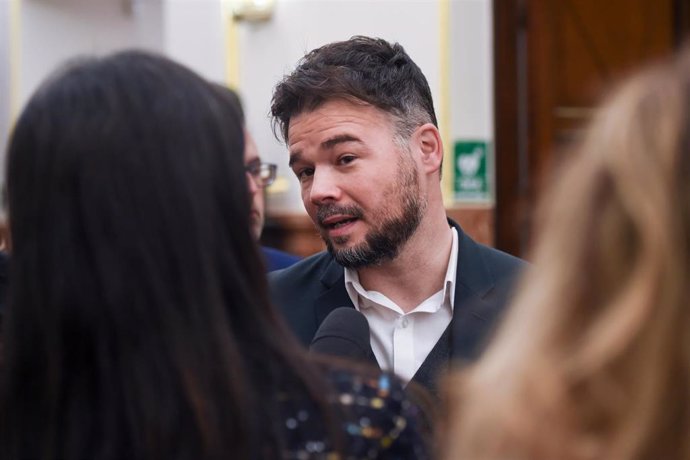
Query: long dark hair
[{"x": 138, "y": 323}]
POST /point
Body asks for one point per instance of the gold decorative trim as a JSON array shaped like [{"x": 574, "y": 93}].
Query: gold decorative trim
[
  {"x": 15, "y": 58},
  {"x": 232, "y": 48},
  {"x": 444, "y": 113}
]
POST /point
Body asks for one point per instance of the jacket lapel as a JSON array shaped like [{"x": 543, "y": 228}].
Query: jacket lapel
[
  {"x": 334, "y": 294},
  {"x": 460, "y": 339},
  {"x": 472, "y": 314},
  {"x": 436, "y": 362}
]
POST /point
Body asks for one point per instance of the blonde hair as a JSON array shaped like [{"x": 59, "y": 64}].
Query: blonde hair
[{"x": 593, "y": 360}]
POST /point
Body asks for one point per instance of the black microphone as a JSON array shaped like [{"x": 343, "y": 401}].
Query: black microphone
[{"x": 344, "y": 333}]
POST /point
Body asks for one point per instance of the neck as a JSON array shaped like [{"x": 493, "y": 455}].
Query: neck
[{"x": 419, "y": 270}]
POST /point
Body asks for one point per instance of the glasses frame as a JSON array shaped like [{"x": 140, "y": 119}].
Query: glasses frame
[{"x": 263, "y": 174}]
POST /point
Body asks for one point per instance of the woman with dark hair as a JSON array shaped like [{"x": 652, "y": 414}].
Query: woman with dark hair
[{"x": 137, "y": 322}]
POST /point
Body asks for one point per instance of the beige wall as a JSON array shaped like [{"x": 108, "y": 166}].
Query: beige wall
[{"x": 195, "y": 33}]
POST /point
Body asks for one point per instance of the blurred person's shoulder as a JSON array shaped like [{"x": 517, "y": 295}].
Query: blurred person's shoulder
[
  {"x": 380, "y": 418},
  {"x": 276, "y": 259},
  {"x": 371, "y": 418}
]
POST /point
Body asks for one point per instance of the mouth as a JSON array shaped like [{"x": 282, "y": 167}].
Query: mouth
[{"x": 336, "y": 222}]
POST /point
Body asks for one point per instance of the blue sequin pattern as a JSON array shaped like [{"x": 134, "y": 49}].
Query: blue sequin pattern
[{"x": 377, "y": 419}]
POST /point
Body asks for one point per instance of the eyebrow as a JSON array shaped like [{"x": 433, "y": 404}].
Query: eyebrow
[
  {"x": 339, "y": 139},
  {"x": 294, "y": 158},
  {"x": 326, "y": 145}
]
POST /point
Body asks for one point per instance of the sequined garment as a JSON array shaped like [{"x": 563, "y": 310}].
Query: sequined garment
[{"x": 377, "y": 418}]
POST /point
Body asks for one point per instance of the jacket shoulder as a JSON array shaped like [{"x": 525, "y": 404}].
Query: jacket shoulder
[
  {"x": 501, "y": 263},
  {"x": 310, "y": 269},
  {"x": 485, "y": 264},
  {"x": 294, "y": 291}
]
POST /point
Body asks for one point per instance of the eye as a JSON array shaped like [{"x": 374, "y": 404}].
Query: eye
[
  {"x": 346, "y": 159},
  {"x": 304, "y": 173}
]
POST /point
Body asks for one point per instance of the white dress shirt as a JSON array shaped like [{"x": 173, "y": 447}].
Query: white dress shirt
[{"x": 401, "y": 341}]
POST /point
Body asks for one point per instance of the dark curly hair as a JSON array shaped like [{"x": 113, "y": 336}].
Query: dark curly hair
[{"x": 361, "y": 69}]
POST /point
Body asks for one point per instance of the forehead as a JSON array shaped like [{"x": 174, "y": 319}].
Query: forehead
[{"x": 338, "y": 117}]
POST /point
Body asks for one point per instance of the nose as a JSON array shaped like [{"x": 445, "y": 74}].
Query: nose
[
  {"x": 251, "y": 184},
  {"x": 324, "y": 187}
]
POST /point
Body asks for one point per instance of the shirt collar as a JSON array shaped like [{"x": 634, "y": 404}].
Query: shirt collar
[{"x": 354, "y": 288}]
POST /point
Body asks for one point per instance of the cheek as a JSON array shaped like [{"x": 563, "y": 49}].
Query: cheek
[
  {"x": 305, "y": 196},
  {"x": 310, "y": 208},
  {"x": 258, "y": 200},
  {"x": 308, "y": 205}
]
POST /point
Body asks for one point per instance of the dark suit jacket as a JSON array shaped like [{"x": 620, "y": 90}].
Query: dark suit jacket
[{"x": 309, "y": 290}]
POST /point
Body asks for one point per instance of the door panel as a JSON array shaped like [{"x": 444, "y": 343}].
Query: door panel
[{"x": 554, "y": 60}]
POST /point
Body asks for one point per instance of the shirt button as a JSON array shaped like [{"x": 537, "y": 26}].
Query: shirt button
[{"x": 405, "y": 322}]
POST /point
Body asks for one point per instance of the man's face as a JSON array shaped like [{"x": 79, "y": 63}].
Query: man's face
[
  {"x": 359, "y": 187},
  {"x": 256, "y": 193}
]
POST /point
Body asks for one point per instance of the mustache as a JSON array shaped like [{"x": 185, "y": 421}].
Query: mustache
[{"x": 330, "y": 209}]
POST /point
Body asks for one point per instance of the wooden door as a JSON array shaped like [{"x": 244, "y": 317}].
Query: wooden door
[{"x": 554, "y": 59}]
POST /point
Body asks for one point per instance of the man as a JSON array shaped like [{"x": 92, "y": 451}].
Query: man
[
  {"x": 358, "y": 119},
  {"x": 259, "y": 176}
]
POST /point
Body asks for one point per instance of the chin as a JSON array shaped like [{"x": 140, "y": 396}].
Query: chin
[{"x": 256, "y": 231}]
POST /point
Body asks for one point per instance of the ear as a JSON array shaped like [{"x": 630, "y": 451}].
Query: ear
[{"x": 428, "y": 142}]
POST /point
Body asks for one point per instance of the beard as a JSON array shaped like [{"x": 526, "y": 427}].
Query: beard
[{"x": 385, "y": 240}]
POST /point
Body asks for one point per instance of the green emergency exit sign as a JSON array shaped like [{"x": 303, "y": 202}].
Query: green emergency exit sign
[{"x": 471, "y": 172}]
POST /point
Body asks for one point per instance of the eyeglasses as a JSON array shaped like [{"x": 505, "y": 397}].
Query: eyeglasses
[{"x": 263, "y": 174}]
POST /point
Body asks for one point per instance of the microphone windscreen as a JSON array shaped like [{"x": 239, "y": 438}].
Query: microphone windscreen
[{"x": 344, "y": 333}]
